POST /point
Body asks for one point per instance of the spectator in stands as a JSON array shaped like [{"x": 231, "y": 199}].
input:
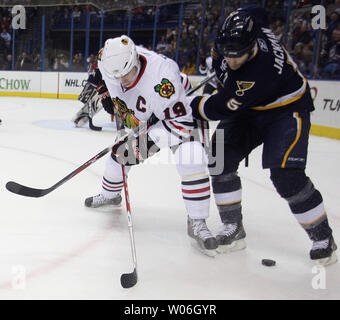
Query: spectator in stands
[
  {"x": 187, "y": 44},
  {"x": 278, "y": 29},
  {"x": 189, "y": 68},
  {"x": 78, "y": 62},
  {"x": 24, "y": 62},
  {"x": 37, "y": 62},
  {"x": 298, "y": 57},
  {"x": 92, "y": 58},
  {"x": 7, "y": 63},
  {"x": 171, "y": 50},
  {"x": 304, "y": 35},
  {"x": 3, "y": 48},
  {"x": 65, "y": 15},
  {"x": 332, "y": 57},
  {"x": 64, "y": 63},
  {"x": 7, "y": 37},
  {"x": 333, "y": 23},
  {"x": 307, "y": 53},
  {"x": 333, "y": 7},
  {"x": 76, "y": 15},
  {"x": 336, "y": 34},
  {"x": 5, "y": 23},
  {"x": 171, "y": 35},
  {"x": 162, "y": 45}
]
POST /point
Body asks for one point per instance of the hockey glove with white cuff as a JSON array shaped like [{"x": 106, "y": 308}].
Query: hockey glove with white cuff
[{"x": 105, "y": 97}]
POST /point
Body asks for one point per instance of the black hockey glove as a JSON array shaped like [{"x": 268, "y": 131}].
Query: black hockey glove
[
  {"x": 105, "y": 97},
  {"x": 133, "y": 149}
]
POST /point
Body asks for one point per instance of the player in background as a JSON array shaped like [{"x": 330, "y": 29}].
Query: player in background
[
  {"x": 264, "y": 100},
  {"x": 89, "y": 96},
  {"x": 208, "y": 69},
  {"x": 143, "y": 85}
]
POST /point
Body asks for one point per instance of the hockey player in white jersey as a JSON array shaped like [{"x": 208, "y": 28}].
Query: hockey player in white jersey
[
  {"x": 142, "y": 86},
  {"x": 208, "y": 69},
  {"x": 89, "y": 97}
]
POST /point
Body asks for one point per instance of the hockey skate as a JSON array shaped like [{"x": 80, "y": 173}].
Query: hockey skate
[
  {"x": 231, "y": 237},
  {"x": 81, "y": 120},
  {"x": 323, "y": 252},
  {"x": 201, "y": 236},
  {"x": 99, "y": 201},
  {"x": 81, "y": 117}
]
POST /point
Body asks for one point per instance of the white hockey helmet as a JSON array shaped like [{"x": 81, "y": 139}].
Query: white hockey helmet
[{"x": 119, "y": 56}]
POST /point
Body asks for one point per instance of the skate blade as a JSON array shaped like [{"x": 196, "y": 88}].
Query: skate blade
[
  {"x": 235, "y": 246},
  {"x": 210, "y": 253},
  {"x": 327, "y": 261},
  {"x": 108, "y": 206}
]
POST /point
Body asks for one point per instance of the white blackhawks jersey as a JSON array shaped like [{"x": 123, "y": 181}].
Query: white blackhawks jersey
[{"x": 158, "y": 90}]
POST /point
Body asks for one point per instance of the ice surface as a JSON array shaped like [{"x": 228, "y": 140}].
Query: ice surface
[{"x": 66, "y": 251}]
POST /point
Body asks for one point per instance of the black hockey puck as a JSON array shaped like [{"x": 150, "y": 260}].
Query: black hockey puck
[{"x": 268, "y": 262}]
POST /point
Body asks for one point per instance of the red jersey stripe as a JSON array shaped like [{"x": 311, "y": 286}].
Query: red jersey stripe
[
  {"x": 196, "y": 190},
  {"x": 180, "y": 128}
]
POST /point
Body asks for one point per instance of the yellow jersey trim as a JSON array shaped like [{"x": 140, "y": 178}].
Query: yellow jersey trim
[
  {"x": 200, "y": 105},
  {"x": 282, "y": 104},
  {"x": 299, "y": 120}
]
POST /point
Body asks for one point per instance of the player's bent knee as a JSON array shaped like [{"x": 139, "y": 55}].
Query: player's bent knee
[
  {"x": 289, "y": 181},
  {"x": 191, "y": 159}
]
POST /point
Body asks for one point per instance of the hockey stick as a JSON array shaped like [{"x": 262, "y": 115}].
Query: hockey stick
[
  {"x": 127, "y": 280},
  {"x": 201, "y": 84},
  {"x": 22, "y": 190},
  {"x": 90, "y": 116},
  {"x": 92, "y": 126},
  {"x": 36, "y": 193}
]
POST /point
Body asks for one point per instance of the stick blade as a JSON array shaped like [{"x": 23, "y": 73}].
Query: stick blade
[
  {"x": 93, "y": 127},
  {"x": 128, "y": 280},
  {"x": 23, "y": 190}
]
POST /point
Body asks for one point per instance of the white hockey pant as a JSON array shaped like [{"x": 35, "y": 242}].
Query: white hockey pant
[{"x": 191, "y": 163}]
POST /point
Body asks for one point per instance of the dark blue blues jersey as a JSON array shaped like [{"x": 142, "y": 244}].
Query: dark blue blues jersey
[{"x": 270, "y": 80}]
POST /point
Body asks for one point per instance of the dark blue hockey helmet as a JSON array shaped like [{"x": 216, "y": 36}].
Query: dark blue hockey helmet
[{"x": 237, "y": 34}]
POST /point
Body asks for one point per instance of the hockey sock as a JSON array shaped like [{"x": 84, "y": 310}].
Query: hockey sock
[
  {"x": 304, "y": 200},
  {"x": 112, "y": 183},
  {"x": 196, "y": 195},
  {"x": 308, "y": 208},
  {"x": 227, "y": 192}
]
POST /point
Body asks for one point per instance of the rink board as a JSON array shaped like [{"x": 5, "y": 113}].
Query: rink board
[{"x": 68, "y": 85}]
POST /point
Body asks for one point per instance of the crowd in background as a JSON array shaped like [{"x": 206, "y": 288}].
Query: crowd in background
[{"x": 300, "y": 40}]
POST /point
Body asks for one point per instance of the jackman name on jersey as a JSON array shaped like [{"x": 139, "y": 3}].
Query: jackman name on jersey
[{"x": 277, "y": 49}]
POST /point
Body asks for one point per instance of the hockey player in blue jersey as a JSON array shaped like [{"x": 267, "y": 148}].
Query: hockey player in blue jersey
[{"x": 265, "y": 100}]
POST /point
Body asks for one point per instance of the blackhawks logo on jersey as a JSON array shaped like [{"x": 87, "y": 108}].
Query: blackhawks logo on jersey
[
  {"x": 127, "y": 115},
  {"x": 165, "y": 89}
]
